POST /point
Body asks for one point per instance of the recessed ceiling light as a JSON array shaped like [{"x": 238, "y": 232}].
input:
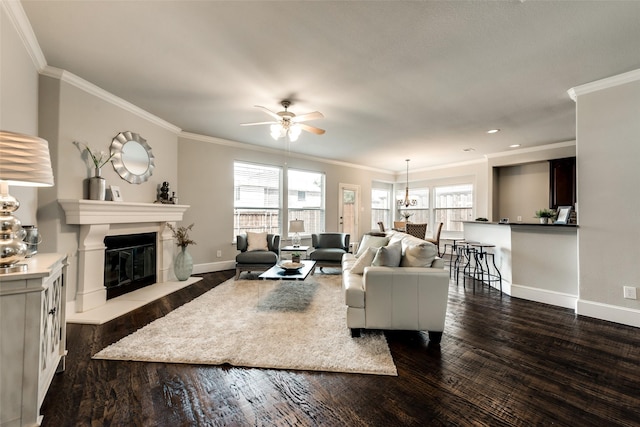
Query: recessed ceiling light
[
  {"x": 469, "y": 149},
  {"x": 493, "y": 131},
  {"x": 514, "y": 146}
]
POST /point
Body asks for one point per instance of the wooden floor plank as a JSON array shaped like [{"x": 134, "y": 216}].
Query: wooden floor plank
[{"x": 502, "y": 362}]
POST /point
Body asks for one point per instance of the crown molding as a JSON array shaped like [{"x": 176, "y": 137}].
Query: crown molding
[
  {"x": 21, "y": 23},
  {"x": 245, "y": 146},
  {"x": 606, "y": 83},
  {"x": 98, "y": 92},
  {"x": 537, "y": 148}
]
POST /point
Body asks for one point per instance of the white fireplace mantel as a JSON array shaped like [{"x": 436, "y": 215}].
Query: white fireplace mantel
[
  {"x": 98, "y": 219},
  {"x": 101, "y": 212}
]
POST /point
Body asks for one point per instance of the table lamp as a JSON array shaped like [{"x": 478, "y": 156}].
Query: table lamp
[
  {"x": 296, "y": 226},
  {"x": 24, "y": 161}
]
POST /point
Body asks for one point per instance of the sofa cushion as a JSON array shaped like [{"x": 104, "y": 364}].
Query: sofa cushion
[
  {"x": 257, "y": 241},
  {"x": 388, "y": 256},
  {"x": 363, "y": 261},
  {"x": 419, "y": 255},
  {"x": 369, "y": 241}
]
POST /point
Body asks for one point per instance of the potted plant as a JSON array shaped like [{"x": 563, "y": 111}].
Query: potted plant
[
  {"x": 295, "y": 257},
  {"x": 544, "y": 215},
  {"x": 183, "y": 264},
  {"x": 406, "y": 215}
]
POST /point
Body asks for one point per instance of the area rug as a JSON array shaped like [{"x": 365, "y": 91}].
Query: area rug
[{"x": 263, "y": 324}]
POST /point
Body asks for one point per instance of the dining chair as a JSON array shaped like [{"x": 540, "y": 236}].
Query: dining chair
[{"x": 417, "y": 230}]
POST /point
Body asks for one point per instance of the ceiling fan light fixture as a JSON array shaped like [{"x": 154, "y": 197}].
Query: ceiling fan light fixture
[
  {"x": 287, "y": 124},
  {"x": 294, "y": 132}
]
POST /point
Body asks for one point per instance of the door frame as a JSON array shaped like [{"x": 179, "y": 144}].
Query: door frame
[{"x": 358, "y": 207}]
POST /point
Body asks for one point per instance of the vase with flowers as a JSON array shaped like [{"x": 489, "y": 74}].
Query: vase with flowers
[
  {"x": 183, "y": 264},
  {"x": 97, "y": 184}
]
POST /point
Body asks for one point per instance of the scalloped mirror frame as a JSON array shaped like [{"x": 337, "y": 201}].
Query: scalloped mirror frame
[{"x": 124, "y": 165}]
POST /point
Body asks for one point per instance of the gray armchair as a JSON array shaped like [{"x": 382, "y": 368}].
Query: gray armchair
[
  {"x": 329, "y": 248},
  {"x": 256, "y": 260}
]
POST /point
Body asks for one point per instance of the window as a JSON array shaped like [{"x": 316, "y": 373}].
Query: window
[
  {"x": 380, "y": 204},
  {"x": 256, "y": 198},
  {"x": 453, "y": 204},
  {"x": 305, "y": 199}
]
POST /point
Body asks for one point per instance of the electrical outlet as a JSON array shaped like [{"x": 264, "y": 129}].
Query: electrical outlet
[
  {"x": 519, "y": 218},
  {"x": 630, "y": 292},
  {"x": 219, "y": 253}
]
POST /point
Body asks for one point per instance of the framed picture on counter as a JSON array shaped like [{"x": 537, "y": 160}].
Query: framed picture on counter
[{"x": 564, "y": 214}]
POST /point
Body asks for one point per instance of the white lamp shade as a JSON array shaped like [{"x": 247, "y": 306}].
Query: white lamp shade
[
  {"x": 25, "y": 160},
  {"x": 296, "y": 226}
]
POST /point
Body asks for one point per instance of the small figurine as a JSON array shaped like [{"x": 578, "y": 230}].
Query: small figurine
[{"x": 164, "y": 193}]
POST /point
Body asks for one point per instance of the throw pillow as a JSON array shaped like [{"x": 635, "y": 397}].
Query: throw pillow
[
  {"x": 369, "y": 241},
  {"x": 363, "y": 261},
  {"x": 420, "y": 255},
  {"x": 388, "y": 256},
  {"x": 257, "y": 241}
]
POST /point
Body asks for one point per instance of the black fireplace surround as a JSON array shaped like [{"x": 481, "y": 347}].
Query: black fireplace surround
[{"x": 129, "y": 263}]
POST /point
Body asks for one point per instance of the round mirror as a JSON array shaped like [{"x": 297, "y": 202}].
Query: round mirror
[{"x": 132, "y": 157}]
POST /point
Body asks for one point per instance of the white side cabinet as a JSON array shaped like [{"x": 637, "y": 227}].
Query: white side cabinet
[{"x": 32, "y": 337}]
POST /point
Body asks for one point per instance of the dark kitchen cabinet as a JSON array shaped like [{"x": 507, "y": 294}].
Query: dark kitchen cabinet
[{"x": 562, "y": 182}]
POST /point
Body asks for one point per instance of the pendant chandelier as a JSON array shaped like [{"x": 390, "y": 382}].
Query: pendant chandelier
[{"x": 407, "y": 201}]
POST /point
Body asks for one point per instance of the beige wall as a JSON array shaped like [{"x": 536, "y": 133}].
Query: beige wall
[
  {"x": 205, "y": 168},
  {"x": 70, "y": 113},
  {"x": 18, "y": 101},
  {"x": 522, "y": 190},
  {"x": 608, "y": 135}
]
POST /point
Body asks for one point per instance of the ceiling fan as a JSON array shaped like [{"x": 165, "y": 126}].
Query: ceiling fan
[{"x": 288, "y": 124}]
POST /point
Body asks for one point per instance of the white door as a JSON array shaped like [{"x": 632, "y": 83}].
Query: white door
[{"x": 349, "y": 210}]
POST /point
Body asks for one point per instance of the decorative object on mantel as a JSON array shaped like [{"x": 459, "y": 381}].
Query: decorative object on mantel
[
  {"x": 97, "y": 184},
  {"x": 133, "y": 159},
  {"x": 163, "y": 193},
  {"x": 183, "y": 264},
  {"x": 24, "y": 161},
  {"x": 544, "y": 215},
  {"x": 116, "y": 194}
]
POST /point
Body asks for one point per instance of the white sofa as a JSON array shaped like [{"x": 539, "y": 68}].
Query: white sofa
[{"x": 397, "y": 297}]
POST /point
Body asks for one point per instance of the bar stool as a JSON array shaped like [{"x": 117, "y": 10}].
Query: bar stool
[
  {"x": 483, "y": 272},
  {"x": 454, "y": 252},
  {"x": 465, "y": 261}
]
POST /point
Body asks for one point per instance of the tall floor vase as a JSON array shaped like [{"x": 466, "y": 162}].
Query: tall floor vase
[{"x": 183, "y": 264}]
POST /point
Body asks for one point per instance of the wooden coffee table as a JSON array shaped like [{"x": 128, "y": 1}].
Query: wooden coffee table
[{"x": 278, "y": 273}]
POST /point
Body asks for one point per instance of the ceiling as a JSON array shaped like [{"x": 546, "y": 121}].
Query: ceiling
[{"x": 395, "y": 80}]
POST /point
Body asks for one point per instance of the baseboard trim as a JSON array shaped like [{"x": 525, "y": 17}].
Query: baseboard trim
[
  {"x": 545, "y": 296},
  {"x": 210, "y": 267},
  {"x": 611, "y": 313}
]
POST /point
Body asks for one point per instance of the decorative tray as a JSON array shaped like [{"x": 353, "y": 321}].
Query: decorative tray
[{"x": 291, "y": 266}]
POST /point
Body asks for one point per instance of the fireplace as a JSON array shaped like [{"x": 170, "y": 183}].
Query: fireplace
[
  {"x": 101, "y": 219},
  {"x": 129, "y": 263}
]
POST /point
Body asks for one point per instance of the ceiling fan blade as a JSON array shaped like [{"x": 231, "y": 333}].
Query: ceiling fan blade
[
  {"x": 258, "y": 123},
  {"x": 309, "y": 116},
  {"x": 269, "y": 112},
  {"x": 311, "y": 129}
]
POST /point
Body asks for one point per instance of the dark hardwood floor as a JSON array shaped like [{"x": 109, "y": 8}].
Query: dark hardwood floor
[{"x": 502, "y": 362}]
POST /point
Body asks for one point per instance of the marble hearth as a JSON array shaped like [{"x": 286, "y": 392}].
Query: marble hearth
[{"x": 98, "y": 219}]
